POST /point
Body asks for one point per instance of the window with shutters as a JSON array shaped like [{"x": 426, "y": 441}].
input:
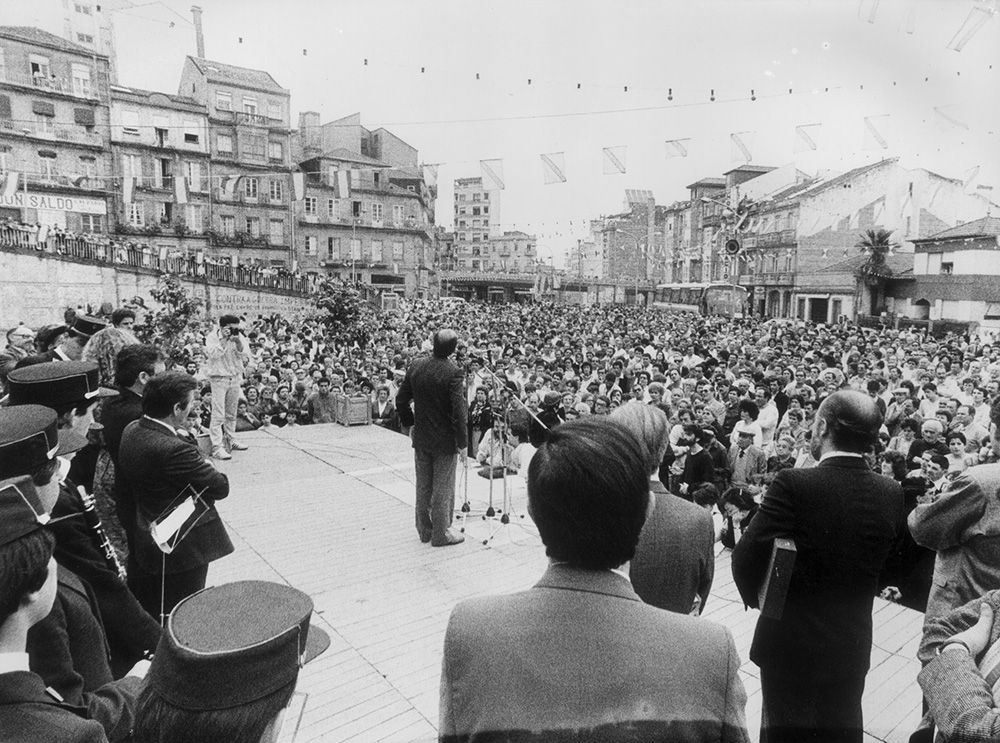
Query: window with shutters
[
  {"x": 166, "y": 212},
  {"x": 88, "y": 167},
  {"x": 274, "y": 111},
  {"x": 195, "y": 217},
  {"x": 39, "y": 68},
  {"x": 250, "y": 186},
  {"x": 194, "y": 177},
  {"x": 332, "y": 248},
  {"x": 377, "y": 211},
  {"x": 81, "y": 80},
  {"x": 276, "y": 231},
  {"x": 223, "y": 100},
  {"x": 377, "y": 251},
  {"x": 275, "y": 151},
  {"x": 311, "y": 242},
  {"x": 136, "y": 214},
  {"x": 355, "y": 249},
  {"x": 310, "y": 205},
  {"x": 355, "y": 178},
  {"x": 228, "y": 225},
  {"x": 224, "y": 144},
  {"x": 397, "y": 250},
  {"x": 6, "y": 159},
  {"x": 331, "y": 209},
  {"x": 397, "y": 214},
  {"x": 249, "y": 104},
  {"x": 47, "y": 167},
  {"x": 276, "y": 191},
  {"x": 253, "y": 226},
  {"x": 92, "y": 222}
]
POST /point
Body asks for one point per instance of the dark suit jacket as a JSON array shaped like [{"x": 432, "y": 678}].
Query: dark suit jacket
[
  {"x": 29, "y": 715},
  {"x": 439, "y": 416},
  {"x": 843, "y": 519},
  {"x": 116, "y": 413},
  {"x": 580, "y": 653},
  {"x": 675, "y": 559},
  {"x": 130, "y": 630},
  {"x": 156, "y": 466},
  {"x": 69, "y": 651}
]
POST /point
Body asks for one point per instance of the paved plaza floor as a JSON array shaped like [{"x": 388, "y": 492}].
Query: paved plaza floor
[{"x": 329, "y": 510}]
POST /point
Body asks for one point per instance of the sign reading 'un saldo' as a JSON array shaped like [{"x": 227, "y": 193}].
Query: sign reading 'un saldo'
[{"x": 30, "y": 200}]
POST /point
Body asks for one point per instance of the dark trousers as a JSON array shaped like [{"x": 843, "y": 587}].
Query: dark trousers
[
  {"x": 146, "y": 587},
  {"x": 435, "y": 506},
  {"x": 800, "y": 709}
]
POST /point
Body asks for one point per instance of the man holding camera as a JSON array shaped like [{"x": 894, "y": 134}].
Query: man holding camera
[{"x": 228, "y": 354}]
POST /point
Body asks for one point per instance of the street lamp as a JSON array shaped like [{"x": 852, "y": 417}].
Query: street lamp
[{"x": 637, "y": 253}]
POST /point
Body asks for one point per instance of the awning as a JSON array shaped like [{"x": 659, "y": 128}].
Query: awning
[
  {"x": 4, "y": 107},
  {"x": 43, "y": 108}
]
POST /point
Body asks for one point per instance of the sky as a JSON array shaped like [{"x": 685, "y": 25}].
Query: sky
[{"x": 451, "y": 77}]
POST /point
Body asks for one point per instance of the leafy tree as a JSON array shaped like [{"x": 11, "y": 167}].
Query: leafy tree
[
  {"x": 875, "y": 271},
  {"x": 341, "y": 310},
  {"x": 167, "y": 328}
]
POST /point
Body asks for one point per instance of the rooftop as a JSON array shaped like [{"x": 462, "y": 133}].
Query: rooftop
[
  {"x": 345, "y": 155},
  {"x": 752, "y": 169},
  {"x": 156, "y": 98},
  {"x": 239, "y": 76},
  {"x": 719, "y": 182},
  {"x": 32, "y": 35},
  {"x": 843, "y": 178},
  {"x": 985, "y": 227},
  {"x": 901, "y": 264}
]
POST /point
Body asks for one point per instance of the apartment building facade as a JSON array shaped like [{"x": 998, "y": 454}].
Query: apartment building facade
[
  {"x": 250, "y": 218},
  {"x": 54, "y": 132}
]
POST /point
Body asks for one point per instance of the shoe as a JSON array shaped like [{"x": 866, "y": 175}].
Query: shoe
[
  {"x": 425, "y": 537},
  {"x": 237, "y": 446},
  {"x": 450, "y": 538},
  {"x": 220, "y": 453}
]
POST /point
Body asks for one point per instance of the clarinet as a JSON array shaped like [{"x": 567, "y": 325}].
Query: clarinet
[{"x": 94, "y": 522}]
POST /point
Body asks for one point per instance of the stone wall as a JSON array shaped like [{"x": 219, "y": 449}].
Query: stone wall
[{"x": 36, "y": 288}]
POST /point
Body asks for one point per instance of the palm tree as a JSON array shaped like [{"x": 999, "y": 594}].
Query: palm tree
[{"x": 875, "y": 272}]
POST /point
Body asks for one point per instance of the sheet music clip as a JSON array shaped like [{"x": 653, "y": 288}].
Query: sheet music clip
[{"x": 178, "y": 519}]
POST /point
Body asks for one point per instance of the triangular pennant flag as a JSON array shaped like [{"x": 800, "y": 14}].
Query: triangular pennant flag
[
  {"x": 298, "y": 186},
  {"x": 554, "y": 167},
  {"x": 970, "y": 177},
  {"x": 947, "y": 117},
  {"x": 10, "y": 184},
  {"x": 229, "y": 186},
  {"x": 677, "y": 147},
  {"x": 78, "y": 180},
  {"x": 431, "y": 174},
  {"x": 805, "y": 137},
  {"x": 180, "y": 190},
  {"x": 873, "y": 139},
  {"x": 128, "y": 183},
  {"x": 614, "y": 160},
  {"x": 343, "y": 189},
  {"x": 740, "y": 147},
  {"x": 492, "y": 174},
  {"x": 977, "y": 18},
  {"x": 878, "y": 211}
]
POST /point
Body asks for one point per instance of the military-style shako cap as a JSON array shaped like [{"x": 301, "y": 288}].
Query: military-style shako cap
[
  {"x": 21, "y": 511},
  {"x": 58, "y": 384},
  {"x": 86, "y": 326},
  {"x": 233, "y": 644},
  {"x": 29, "y": 439}
]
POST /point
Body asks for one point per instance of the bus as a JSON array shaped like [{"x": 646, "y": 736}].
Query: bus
[{"x": 728, "y": 300}]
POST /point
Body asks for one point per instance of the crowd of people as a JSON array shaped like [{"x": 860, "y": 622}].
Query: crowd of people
[{"x": 725, "y": 418}]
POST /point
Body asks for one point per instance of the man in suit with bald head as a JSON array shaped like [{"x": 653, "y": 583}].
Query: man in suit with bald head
[
  {"x": 843, "y": 519},
  {"x": 435, "y": 386}
]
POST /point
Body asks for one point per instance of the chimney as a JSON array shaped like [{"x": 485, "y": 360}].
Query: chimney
[{"x": 199, "y": 36}]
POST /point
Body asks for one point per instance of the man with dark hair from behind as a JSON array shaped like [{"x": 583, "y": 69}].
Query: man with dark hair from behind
[
  {"x": 136, "y": 365},
  {"x": 579, "y": 656},
  {"x": 439, "y": 417},
  {"x": 843, "y": 519},
  {"x": 156, "y": 467},
  {"x": 28, "y": 713}
]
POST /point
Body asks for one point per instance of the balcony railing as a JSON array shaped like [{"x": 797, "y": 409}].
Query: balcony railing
[
  {"x": 50, "y": 83},
  {"x": 75, "y": 135},
  {"x": 238, "y": 240},
  {"x": 101, "y": 250},
  {"x": 241, "y": 117}
]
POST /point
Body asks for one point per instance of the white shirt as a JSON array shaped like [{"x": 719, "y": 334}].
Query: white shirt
[
  {"x": 173, "y": 431},
  {"x": 851, "y": 454},
  {"x": 11, "y": 662}
]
